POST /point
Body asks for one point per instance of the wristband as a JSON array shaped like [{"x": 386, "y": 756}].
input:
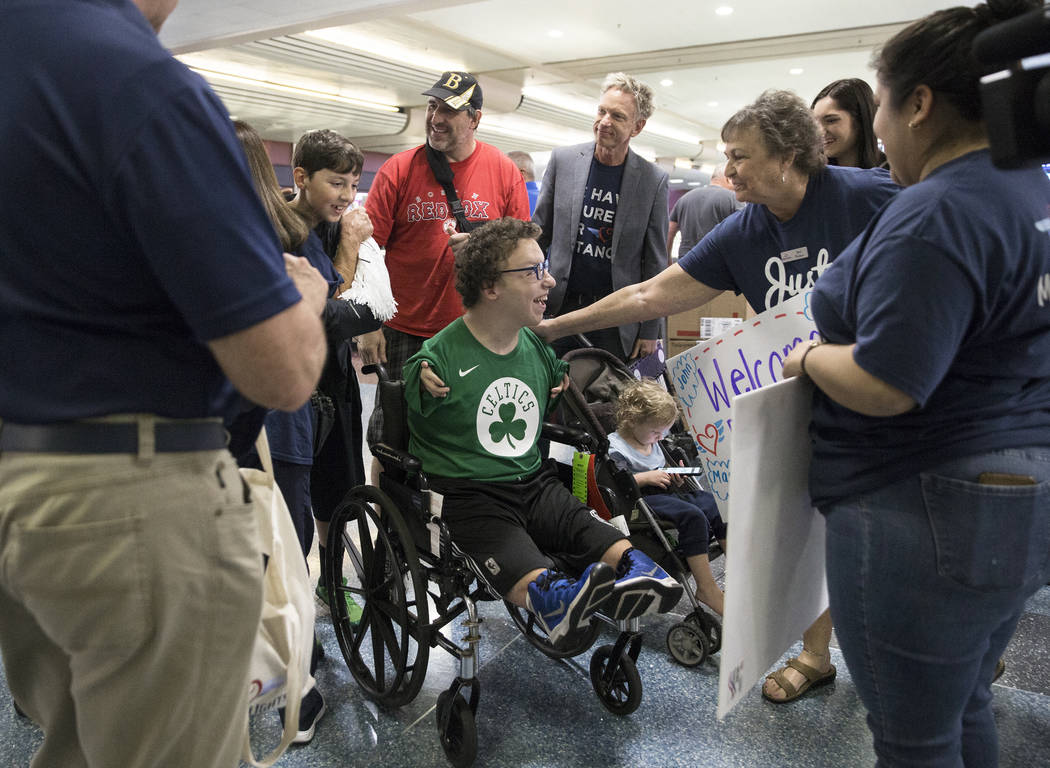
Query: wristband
[{"x": 802, "y": 363}]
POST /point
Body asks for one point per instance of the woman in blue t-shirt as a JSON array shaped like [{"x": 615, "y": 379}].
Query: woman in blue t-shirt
[
  {"x": 931, "y": 421},
  {"x": 801, "y": 214}
]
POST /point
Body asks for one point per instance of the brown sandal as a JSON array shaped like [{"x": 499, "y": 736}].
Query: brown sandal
[{"x": 814, "y": 679}]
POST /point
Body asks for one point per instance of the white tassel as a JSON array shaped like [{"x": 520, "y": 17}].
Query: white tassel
[{"x": 371, "y": 285}]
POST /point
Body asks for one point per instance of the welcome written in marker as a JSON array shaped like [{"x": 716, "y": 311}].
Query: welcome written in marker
[{"x": 708, "y": 377}]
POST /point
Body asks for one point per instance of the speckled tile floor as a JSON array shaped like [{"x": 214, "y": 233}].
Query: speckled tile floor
[{"x": 537, "y": 712}]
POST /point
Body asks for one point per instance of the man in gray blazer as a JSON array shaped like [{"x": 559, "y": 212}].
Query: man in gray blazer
[{"x": 603, "y": 212}]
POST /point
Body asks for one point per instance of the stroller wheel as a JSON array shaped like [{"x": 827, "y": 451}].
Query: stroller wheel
[
  {"x": 687, "y": 644},
  {"x": 616, "y": 681},
  {"x": 457, "y": 729},
  {"x": 710, "y": 626}
]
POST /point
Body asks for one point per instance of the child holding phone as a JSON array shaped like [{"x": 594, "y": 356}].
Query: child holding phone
[{"x": 645, "y": 412}]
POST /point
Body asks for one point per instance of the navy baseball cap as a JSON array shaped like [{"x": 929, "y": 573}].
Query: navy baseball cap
[{"x": 457, "y": 89}]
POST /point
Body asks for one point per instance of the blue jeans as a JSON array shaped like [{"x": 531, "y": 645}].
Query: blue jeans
[{"x": 927, "y": 579}]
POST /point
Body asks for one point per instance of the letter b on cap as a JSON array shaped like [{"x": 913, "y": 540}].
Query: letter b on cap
[{"x": 453, "y": 81}]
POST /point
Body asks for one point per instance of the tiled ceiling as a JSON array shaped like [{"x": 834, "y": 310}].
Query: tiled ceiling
[{"x": 358, "y": 66}]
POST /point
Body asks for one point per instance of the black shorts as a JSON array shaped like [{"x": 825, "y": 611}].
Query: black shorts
[{"x": 510, "y": 529}]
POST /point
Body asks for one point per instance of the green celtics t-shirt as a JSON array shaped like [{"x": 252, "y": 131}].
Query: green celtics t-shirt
[{"x": 487, "y": 427}]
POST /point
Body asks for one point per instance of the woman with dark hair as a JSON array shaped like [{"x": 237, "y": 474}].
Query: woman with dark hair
[
  {"x": 845, "y": 110},
  {"x": 931, "y": 419}
]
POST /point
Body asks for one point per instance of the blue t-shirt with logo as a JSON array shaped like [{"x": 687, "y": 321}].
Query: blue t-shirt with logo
[
  {"x": 768, "y": 260},
  {"x": 131, "y": 233},
  {"x": 947, "y": 298},
  {"x": 591, "y": 273}
]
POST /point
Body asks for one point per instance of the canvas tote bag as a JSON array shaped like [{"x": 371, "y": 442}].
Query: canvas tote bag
[{"x": 279, "y": 673}]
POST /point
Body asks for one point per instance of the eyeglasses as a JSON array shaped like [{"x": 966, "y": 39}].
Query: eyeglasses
[{"x": 539, "y": 270}]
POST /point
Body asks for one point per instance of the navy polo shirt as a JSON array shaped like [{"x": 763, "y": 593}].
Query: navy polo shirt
[{"x": 130, "y": 232}]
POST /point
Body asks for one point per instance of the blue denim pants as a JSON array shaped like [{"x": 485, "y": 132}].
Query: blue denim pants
[
  {"x": 927, "y": 579},
  {"x": 694, "y": 514}
]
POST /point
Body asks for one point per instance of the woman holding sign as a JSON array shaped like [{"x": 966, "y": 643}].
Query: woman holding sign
[
  {"x": 802, "y": 214},
  {"x": 931, "y": 423}
]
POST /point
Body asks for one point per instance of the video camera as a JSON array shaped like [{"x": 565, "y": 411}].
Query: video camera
[{"x": 1016, "y": 100}]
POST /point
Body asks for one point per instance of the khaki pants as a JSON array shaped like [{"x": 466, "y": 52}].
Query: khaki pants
[{"x": 130, "y": 594}]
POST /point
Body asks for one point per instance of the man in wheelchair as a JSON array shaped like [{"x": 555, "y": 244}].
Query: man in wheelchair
[{"x": 477, "y": 393}]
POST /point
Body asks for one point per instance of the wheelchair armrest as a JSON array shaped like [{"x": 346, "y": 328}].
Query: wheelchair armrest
[{"x": 397, "y": 457}]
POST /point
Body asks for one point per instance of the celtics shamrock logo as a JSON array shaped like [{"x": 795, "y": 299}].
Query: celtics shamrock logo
[
  {"x": 508, "y": 418},
  {"x": 507, "y": 426}
]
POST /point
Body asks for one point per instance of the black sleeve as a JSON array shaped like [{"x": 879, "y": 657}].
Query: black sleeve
[{"x": 345, "y": 319}]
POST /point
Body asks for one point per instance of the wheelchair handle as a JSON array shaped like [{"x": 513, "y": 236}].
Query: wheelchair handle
[{"x": 378, "y": 369}]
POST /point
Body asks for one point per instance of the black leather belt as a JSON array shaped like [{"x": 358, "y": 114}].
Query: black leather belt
[{"x": 110, "y": 437}]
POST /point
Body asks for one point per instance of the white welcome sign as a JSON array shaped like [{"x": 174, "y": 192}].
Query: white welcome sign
[{"x": 744, "y": 359}]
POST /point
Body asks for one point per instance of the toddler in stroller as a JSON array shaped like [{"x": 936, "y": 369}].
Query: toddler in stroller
[{"x": 645, "y": 413}]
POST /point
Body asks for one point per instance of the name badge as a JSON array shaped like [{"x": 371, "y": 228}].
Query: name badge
[{"x": 794, "y": 254}]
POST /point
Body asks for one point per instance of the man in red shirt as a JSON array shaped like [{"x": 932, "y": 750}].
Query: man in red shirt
[{"x": 409, "y": 210}]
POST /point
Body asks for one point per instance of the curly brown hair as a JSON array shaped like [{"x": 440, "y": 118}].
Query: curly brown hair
[
  {"x": 485, "y": 253},
  {"x": 644, "y": 401}
]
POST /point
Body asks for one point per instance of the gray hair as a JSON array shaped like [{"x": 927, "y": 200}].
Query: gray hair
[
  {"x": 786, "y": 126},
  {"x": 643, "y": 94}
]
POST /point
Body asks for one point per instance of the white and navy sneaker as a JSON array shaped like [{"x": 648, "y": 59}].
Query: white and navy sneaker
[
  {"x": 311, "y": 710},
  {"x": 562, "y": 605},
  {"x": 641, "y": 587}
]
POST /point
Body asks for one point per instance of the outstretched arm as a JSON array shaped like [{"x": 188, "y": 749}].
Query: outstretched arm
[{"x": 671, "y": 291}]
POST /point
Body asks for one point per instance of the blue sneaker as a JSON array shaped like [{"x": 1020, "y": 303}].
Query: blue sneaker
[
  {"x": 641, "y": 587},
  {"x": 562, "y": 605}
]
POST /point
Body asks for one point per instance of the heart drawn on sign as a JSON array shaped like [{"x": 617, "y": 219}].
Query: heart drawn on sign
[{"x": 711, "y": 433}]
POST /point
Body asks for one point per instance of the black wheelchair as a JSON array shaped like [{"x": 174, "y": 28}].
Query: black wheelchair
[{"x": 393, "y": 557}]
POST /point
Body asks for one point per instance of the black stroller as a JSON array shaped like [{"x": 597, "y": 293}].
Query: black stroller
[{"x": 596, "y": 379}]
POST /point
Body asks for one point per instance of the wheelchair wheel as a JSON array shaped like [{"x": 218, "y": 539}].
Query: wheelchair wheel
[
  {"x": 379, "y": 606},
  {"x": 687, "y": 644},
  {"x": 622, "y": 694},
  {"x": 575, "y": 644},
  {"x": 709, "y": 626},
  {"x": 456, "y": 728}
]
